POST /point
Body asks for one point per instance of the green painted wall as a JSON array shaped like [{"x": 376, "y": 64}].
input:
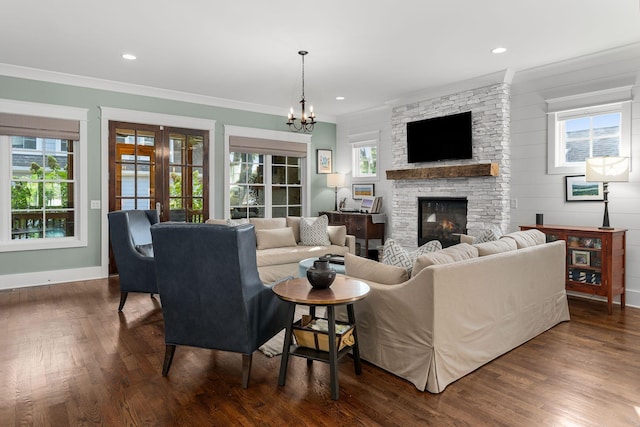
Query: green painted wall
[{"x": 324, "y": 136}]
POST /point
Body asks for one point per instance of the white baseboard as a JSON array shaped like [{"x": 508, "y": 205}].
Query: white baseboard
[
  {"x": 632, "y": 297},
  {"x": 14, "y": 281}
]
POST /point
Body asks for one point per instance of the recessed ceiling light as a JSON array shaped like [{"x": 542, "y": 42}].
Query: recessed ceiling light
[
  {"x": 129, "y": 56},
  {"x": 340, "y": 98},
  {"x": 499, "y": 50}
]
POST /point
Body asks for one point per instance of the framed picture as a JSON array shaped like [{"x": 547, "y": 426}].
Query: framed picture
[
  {"x": 359, "y": 191},
  {"x": 324, "y": 161},
  {"x": 581, "y": 258},
  {"x": 579, "y": 190}
]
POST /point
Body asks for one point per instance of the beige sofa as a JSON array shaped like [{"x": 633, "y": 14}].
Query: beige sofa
[
  {"x": 451, "y": 318},
  {"x": 279, "y": 249}
]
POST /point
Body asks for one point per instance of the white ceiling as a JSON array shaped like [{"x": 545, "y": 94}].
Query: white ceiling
[{"x": 371, "y": 52}]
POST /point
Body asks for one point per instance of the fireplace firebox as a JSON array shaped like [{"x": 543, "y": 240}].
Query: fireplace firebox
[{"x": 442, "y": 218}]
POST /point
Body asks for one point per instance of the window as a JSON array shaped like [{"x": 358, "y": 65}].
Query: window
[
  {"x": 364, "y": 155},
  {"x": 267, "y": 173},
  {"x": 42, "y": 163},
  {"x": 576, "y": 134}
]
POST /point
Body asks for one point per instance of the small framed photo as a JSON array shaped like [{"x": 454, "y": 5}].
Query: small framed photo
[
  {"x": 579, "y": 190},
  {"x": 359, "y": 191},
  {"x": 581, "y": 258},
  {"x": 324, "y": 161}
]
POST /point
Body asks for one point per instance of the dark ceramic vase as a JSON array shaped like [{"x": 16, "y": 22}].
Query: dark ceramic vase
[{"x": 321, "y": 276}]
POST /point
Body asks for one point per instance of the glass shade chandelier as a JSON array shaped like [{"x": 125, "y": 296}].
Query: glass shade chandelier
[{"x": 306, "y": 122}]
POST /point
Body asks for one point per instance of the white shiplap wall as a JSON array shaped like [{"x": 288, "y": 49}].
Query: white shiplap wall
[{"x": 538, "y": 192}]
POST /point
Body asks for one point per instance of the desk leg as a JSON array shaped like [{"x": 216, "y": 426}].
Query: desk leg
[
  {"x": 355, "y": 348},
  {"x": 284, "y": 362},
  {"x": 333, "y": 354}
]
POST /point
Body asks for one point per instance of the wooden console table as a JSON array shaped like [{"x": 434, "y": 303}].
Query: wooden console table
[
  {"x": 595, "y": 259},
  {"x": 359, "y": 225}
]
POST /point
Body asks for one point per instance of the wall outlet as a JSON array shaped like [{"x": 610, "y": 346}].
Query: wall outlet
[
  {"x": 514, "y": 203},
  {"x": 95, "y": 204}
]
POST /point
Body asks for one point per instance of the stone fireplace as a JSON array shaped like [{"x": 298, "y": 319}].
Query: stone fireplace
[
  {"x": 442, "y": 219},
  {"x": 487, "y": 197}
]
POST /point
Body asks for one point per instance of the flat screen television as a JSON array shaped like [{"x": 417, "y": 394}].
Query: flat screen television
[{"x": 440, "y": 138}]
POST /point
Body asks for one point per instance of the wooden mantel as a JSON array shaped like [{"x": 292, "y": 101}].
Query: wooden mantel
[{"x": 461, "y": 171}]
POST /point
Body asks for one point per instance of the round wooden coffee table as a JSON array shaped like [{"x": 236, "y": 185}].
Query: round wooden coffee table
[{"x": 343, "y": 291}]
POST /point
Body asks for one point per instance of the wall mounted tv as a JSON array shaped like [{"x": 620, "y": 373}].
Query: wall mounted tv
[{"x": 440, "y": 138}]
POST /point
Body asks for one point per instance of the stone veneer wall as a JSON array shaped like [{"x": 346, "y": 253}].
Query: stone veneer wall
[{"x": 488, "y": 197}]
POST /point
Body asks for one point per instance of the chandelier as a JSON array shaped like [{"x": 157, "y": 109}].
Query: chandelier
[{"x": 306, "y": 122}]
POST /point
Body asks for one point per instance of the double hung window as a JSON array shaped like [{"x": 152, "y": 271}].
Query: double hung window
[{"x": 39, "y": 155}]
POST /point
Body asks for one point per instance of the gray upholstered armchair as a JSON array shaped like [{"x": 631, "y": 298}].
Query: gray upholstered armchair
[
  {"x": 130, "y": 235},
  {"x": 212, "y": 296}
]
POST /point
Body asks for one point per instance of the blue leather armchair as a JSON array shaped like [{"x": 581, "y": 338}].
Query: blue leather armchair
[
  {"x": 130, "y": 235},
  {"x": 211, "y": 294}
]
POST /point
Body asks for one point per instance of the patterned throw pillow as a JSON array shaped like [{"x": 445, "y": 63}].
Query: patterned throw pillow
[
  {"x": 313, "y": 231},
  {"x": 394, "y": 254},
  {"x": 489, "y": 235}
]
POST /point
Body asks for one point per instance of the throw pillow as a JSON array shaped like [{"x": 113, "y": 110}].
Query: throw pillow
[
  {"x": 394, "y": 254},
  {"x": 499, "y": 246},
  {"x": 337, "y": 234},
  {"x": 294, "y": 223},
  {"x": 313, "y": 231},
  {"x": 268, "y": 223},
  {"x": 237, "y": 222},
  {"x": 455, "y": 253},
  {"x": 275, "y": 238},
  {"x": 488, "y": 235},
  {"x": 368, "y": 269}
]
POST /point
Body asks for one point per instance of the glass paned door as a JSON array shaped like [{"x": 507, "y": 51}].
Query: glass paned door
[{"x": 153, "y": 167}]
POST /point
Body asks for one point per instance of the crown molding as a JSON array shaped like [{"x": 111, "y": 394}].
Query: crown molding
[{"x": 132, "y": 89}]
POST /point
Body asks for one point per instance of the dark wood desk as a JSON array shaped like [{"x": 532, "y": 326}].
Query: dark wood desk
[
  {"x": 342, "y": 291},
  {"x": 359, "y": 225}
]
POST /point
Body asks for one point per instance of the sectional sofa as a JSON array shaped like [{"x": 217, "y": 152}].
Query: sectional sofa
[{"x": 462, "y": 307}]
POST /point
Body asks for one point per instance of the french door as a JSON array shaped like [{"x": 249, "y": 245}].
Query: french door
[{"x": 159, "y": 167}]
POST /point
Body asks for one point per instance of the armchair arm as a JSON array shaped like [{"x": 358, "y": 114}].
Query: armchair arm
[{"x": 351, "y": 243}]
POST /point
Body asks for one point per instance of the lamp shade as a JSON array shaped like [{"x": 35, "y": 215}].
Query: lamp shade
[
  {"x": 607, "y": 169},
  {"x": 335, "y": 180}
]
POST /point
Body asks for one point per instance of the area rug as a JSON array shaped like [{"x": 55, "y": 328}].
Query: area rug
[{"x": 273, "y": 347}]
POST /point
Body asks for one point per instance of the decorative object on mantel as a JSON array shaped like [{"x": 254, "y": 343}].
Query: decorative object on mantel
[
  {"x": 607, "y": 169},
  {"x": 306, "y": 123},
  {"x": 460, "y": 171},
  {"x": 335, "y": 180}
]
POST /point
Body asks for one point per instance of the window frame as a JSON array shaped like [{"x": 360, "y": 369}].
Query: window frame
[
  {"x": 269, "y": 136},
  {"x": 80, "y": 174},
  {"x": 366, "y": 139},
  {"x": 585, "y": 105}
]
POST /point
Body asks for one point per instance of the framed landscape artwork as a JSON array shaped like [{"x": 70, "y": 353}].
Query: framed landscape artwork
[
  {"x": 324, "y": 161},
  {"x": 579, "y": 190},
  {"x": 361, "y": 190}
]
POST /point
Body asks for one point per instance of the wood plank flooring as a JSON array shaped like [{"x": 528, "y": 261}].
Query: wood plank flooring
[{"x": 67, "y": 357}]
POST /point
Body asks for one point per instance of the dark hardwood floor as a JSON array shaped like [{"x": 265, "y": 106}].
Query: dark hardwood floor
[{"x": 67, "y": 357}]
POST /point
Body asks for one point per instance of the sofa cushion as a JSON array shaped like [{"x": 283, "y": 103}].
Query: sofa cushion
[
  {"x": 527, "y": 238},
  {"x": 455, "y": 253},
  {"x": 268, "y": 223},
  {"x": 496, "y": 247},
  {"x": 217, "y": 221},
  {"x": 337, "y": 234},
  {"x": 295, "y": 254},
  {"x": 275, "y": 238},
  {"x": 394, "y": 254},
  {"x": 145, "y": 250},
  {"x": 313, "y": 231},
  {"x": 294, "y": 223},
  {"x": 368, "y": 269}
]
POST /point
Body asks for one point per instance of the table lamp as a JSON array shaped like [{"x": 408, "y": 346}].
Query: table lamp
[
  {"x": 607, "y": 169},
  {"x": 335, "y": 180}
]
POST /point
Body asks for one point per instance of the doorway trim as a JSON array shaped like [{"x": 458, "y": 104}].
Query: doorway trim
[{"x": 135, "y": 116}]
